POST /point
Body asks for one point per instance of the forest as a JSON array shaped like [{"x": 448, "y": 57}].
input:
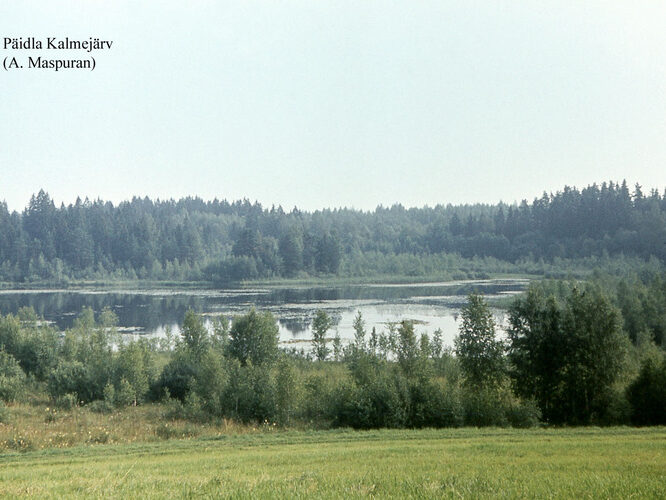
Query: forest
[
  {"x": 222, "y": 242},
  {"x": 575, "y": 353}
]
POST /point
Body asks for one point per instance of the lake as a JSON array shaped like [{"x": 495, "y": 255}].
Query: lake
[{"x": 150, "y": 312}]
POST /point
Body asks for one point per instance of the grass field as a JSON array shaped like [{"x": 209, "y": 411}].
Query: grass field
[{"x": 470, "y": 463}]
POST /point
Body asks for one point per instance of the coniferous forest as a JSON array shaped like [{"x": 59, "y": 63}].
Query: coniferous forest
[{"x": 222, "y": 242}]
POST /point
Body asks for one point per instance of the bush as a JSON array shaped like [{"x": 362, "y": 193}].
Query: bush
[
  {"x": 100, "y": 406},
  {"x": 254, "y": 338},
  {"x": 380, "y": 402},
  {"x": 250, "y": 394},
  {"x": 524, "y": 414},
  {"x": 37, "y": 351},
  {"x": 173, "y": 409},
  {"x": 135, "y": 365},
  {"x": 287, "y": 391},
  {"x": 169, "y": 431},
  {"x": 177, "y": 377},
  {"x": 70, "y": 377},
  {"x": 433, "y": 405},
  {"x": 647, "y": 394},
  {"x": 166, "y": 431},
  {"x": 66, "y": 401},
  {"x": 110, "y": 394},
  {"x": 12, "y": 378},
  {"x": 211, "y": 381},
  {"x": 612, "y": 408},
  {"x": 100, "y": 436},
  {"x": 485, "y": 407},
  {"x": 193, "y": 408},
  {"x": 19, "y": 443},
  {"x": 125, "y": 395},
  {"x": 4, "y": 413},
  {"x": 318, "y": 400},
  {"x": 51, "y": 415}
]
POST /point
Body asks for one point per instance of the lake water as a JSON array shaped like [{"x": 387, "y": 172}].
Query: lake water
[{"x": 150, "y": 312}]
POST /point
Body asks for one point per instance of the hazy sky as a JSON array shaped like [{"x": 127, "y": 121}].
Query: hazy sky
[{"x": 335, "y": 103}]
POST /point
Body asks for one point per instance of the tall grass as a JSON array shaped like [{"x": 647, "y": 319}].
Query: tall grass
[{"x": 27, "y": 427}]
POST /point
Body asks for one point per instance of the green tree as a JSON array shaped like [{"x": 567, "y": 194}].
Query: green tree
[
  {"x": 337, "y": 346},
  {"x": 194, "y": 334},
  {"x": 647, "y": 394},
  {"x": 88, "y": 344},
  {"x": 287, "y": 391},
  {"x": 597, "y": 353},
  {"x": 373, "y": 344},
  {"x": 134, "y": 363},
  {"x": 248, "y": 243},
  {"x": 480, "y": 354},
  {"x": 359, "y": 332},
  {"x": 320, "y": 325},
  {"x": 220, "y": 333},
  {"x": 328, "y": 253},
  {"x": 12, "y": 377},
  {"x": 254, "y": 337},
  {"x": 407, "y": 348},
  {"x": 568, "y": 354},
  {"x": 291, "y": 251}
]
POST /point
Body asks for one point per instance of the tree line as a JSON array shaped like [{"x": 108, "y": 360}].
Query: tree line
[
  {"x": 568, "y": 358},
  {"x": 221, "y": 241}
]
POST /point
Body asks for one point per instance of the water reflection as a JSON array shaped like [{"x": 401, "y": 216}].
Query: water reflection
[{"x": 150, "y": 312}]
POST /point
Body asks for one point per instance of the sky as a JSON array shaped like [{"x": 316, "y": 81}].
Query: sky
[{"x": 335, "y": 103}]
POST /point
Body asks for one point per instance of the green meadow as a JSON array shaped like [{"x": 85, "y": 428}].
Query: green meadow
[{"x": 452, "y": 463}]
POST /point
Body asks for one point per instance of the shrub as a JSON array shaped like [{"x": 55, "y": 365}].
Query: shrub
[
  {"x": 70, "y": 377},
  {"x": 254, "y": 338},
  {"x": 4, "y": 413},
  {"x": 211, "y": 381},
  {"x": 193, "y": 408},
  {"x": 249, "y": 394},
  {"x": 173, "y": 409},
  {"x": 12, "y": 378},
  {"x": 380, "y": 402},
  {"x": 100, "y": 406},
  {"x": 134, "y": 364},
  {"x": 166, "y": 431},
  {"x": 647, "y": 394},
  {"x": 432, "y": 405},
  {"x": 66, "y": 401},
  {"x": 101, "y": 436},
  {"x": 177, "y": 377},
  {"x": 19, "y": 443},
  {"x": 524, "y": 414},
  {"x": 110, "y": 394},
  {"x": 318, "y": 399},
  {"x": 485, "y": 407},
  {"x": 611, "y": 408},
  {"x": 170, "y": 431},
  {"x": 125, "y": 395},
  {"x": 287, "y": 390}
]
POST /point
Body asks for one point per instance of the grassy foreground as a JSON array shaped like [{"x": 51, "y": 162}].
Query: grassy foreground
[{"x": 471, "y": 463}]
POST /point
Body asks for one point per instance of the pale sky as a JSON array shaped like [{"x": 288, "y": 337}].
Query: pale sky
[{"x": 335, "y": 103}]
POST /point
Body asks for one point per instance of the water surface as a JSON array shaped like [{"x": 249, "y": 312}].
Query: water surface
[{"x": 150, "y": 312}]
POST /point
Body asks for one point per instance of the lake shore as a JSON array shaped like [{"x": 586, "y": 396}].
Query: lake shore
[{"x": 140, "y": 284}]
